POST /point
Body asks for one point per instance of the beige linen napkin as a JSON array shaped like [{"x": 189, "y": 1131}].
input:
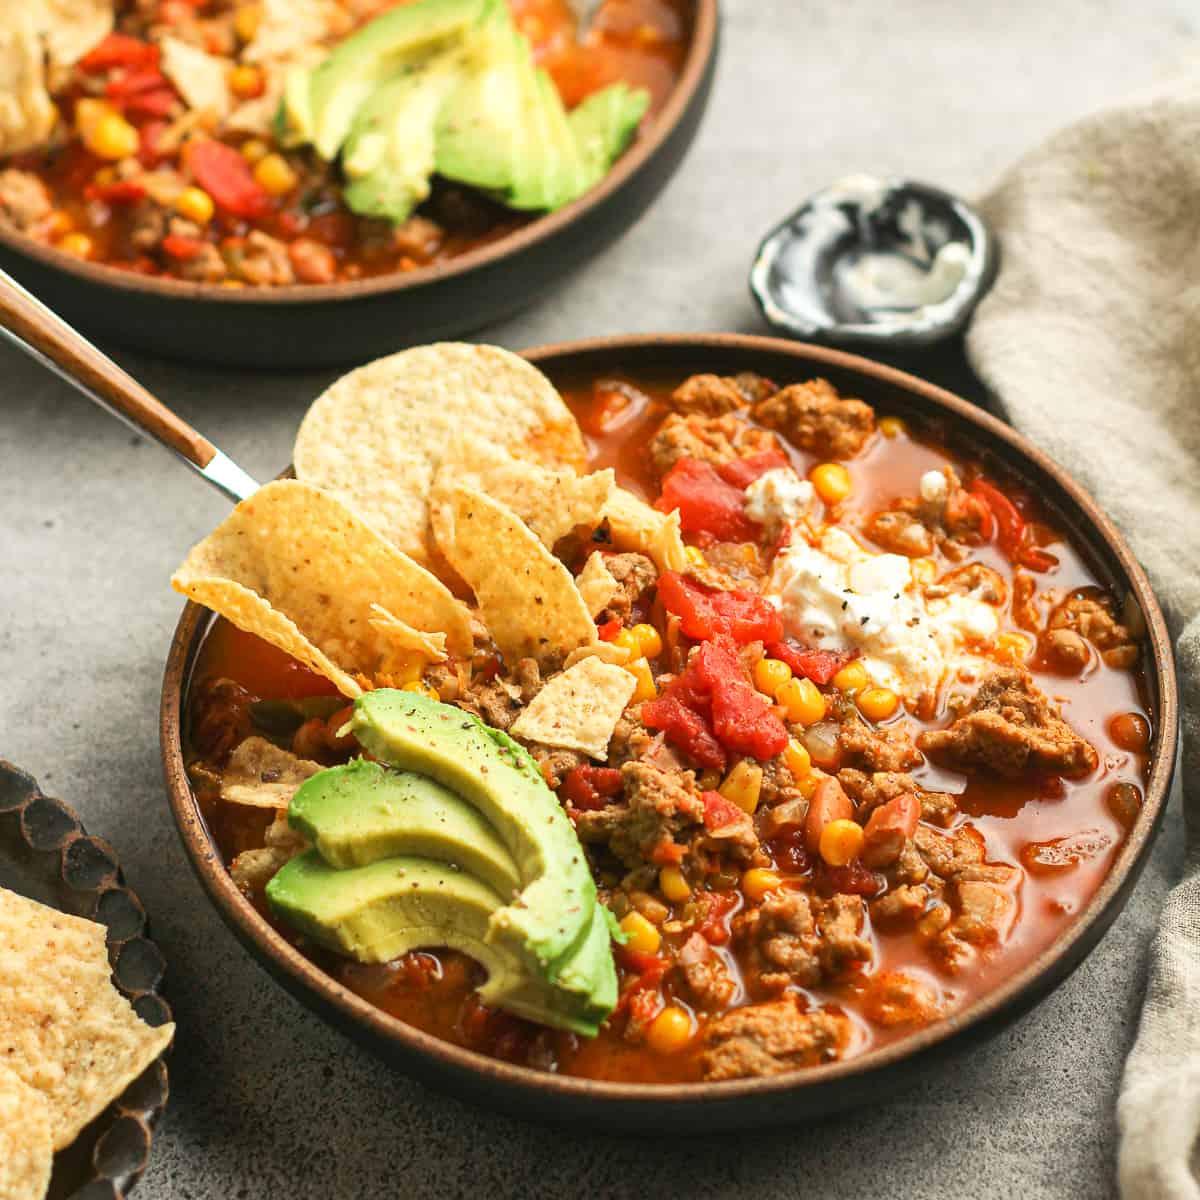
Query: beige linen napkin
[{"x": 1091, "y": 344}]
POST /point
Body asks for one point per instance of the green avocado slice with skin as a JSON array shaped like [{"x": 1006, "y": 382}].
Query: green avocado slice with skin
[
  {"x": 376, "y": 913},
  {"x": 341, "y": 84},
  {"x": 361, "y": 812},
  {"x": 551, "y": 917}
]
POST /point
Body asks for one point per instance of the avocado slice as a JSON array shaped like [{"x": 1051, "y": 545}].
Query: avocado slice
[
  {"x": 378, "y": 912},
  {"x": 388, "y": 156},
  {"x": 551, "y": 917},
  {"x": 603, "y": 126},
  {"x": 544, "y": 155},
  {"x": 345, "y": 81},
  {"x": 361, "y": 812}
]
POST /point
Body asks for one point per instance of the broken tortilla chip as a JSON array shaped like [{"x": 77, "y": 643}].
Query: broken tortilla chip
[
  {"x": 579, "y": 708},
  {"x": 65, "y": 1030},
  {"x": 404, "y": 637},
  {"x": 596, "y": 584},
  {"x": 636, "y": 526},
  {"x": 298, "y": 569},
  {"x": 551, "y": 502},
  {"x": 526, "y": 597},
  {"x": 26, "y": 1141},
  {"x": 377, "y": 436},
  {"x": 260, "y": 774}
]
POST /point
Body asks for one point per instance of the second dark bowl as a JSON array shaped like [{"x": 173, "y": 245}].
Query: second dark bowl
[{"x": 780, "y": 1099}]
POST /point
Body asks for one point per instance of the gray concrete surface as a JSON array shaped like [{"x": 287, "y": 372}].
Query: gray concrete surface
[{"x": 268, "y": 1102}]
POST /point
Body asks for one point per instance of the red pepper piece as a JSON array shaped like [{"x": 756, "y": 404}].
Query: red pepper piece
[
  {"x": 707, "y": 613},
  {"x": 182, "y": 248},
  {"x": 818, "y": 665},
  {"x": 158, "y": 103},
  {"x": 148, "y": 137},
  {"x": 1012, "y": 531},
  {"x": 120, "y": 50},
  {"x": 608, "y": 631},
  {"x": 225, "y": 175},
  {"x": 122, "y": 191},
  {"x": 719, "y": 812},
  {"x": 742, "y": 472},
  {"x": 134, "y": 80},
  {"x": 587, "y": 787},
  {"x": 706, "y": 503}
]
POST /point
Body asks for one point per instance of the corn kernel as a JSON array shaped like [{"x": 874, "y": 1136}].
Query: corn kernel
[
  {"x": 831, "y": 481},
  {"x": 841, "y": 842},
  {"x": 770, "y": 674},
  {"x": 649, "y": 640},
  {"x": 274, "y": 175},
  {"x": 670, "y": 1031},
  {"x": 797, "y": 759},
  {"x": 743, "y": 785},
  {"x": 255, "y": 150},
  {"x": 105, "y": 176},
  {"x": 640, "y": 934},
  {"x": 1012, "y": 648},
  {"x": 851, "y": 678},
  {"x": 421, "y": 688},
  {"x": 892, "y": 427},
  {"x": 673, "y": 885},
  {"x": 108, "y": 135},
  {"x": 195, "y": 204},
  {"x": 246, "y": 21},
  {"x": 246, "y": 82},
  {"x": 645, "y": 690},
  {"x": 807, "y": 785},
  {"x": 693, "y": 555},
  {"x": 758, "y": 881},
  {"x": 878, "y": 703},
  {"x": 628, "y": 640},
  {"x": 78, "y": 245},
  {"x": 57, "y": 224},
  {"x": 924, "y": 571},
  {"x": 804, "y": 703}
]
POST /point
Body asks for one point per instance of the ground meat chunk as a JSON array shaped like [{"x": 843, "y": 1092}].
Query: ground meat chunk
[
  {"x": 496, "y": 702},
  {"x": 888, "y": 749},
  {"x": 24, "y": 200},
  {"x": 952, "y": 518},
  {"x": 1024, "y": 606},
  {"x": 782, "y": 936},
  {"x": 729, "y": 566},
  {"x": 715, "y": 395},
  {"x": 1089, "y": 613},
  {"x": 148, "y": 225},
  {"x": 948, "y": 855},
  {"x": 264, "y": 260},
  {"x": 900, "y": 532},
  {"x": 205, "y": 266},
  {"x": 899, "y": 998},
  {"x": 556, "y": 763},
  {"x": 870, "y": 791},
  {"x": 840, "y": 920},
  {"x": 707, "y": 977},
  {"x": 634, "y": 573},
  {"x": 971, "y": 579},
  {"x": 657, "y": 805},
  {"x": 709, "y": 439},
  {"x": 900, "y": 905},
  {"x": 1010, "y": 727},
  {"x": 769, "y": 1039},
  {"x": 813, "y": 417}
]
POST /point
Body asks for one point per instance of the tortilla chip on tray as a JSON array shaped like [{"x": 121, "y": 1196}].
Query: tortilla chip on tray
[
  {"x": 65, "y": 1030},
  {"x": 262, "y": 775},
  {"x": 378, "y": 435},
  {"x": 579, "y": 708},
  {"x": 526, "y": 597},
  {"x": 26, "y": 1140},
  {"x": 596, "y": 584},
  {"x": 298, "y": 569}
]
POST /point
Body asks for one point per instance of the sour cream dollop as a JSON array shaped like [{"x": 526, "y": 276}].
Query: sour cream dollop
[
  {"x": 778, "y": 497},
  {"x": 838, "y": 596}
]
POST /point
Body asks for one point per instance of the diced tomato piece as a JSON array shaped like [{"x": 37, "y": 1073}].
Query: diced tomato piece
[
  {"x": 120, "y": 50},
  {"x": 609, "y": 630},
  {"x": 707, "y": 613},
  {"x": 666, "y": 853},
  {"x": 148, "y": 136},
  {"x": 182, "y": 248},
  {"x": 742, "y": 719},
  {"x": 123, "y": 191},
  {"x": 706, "y": 503},
  {"x": 719, "y": 812},
  {"x": 225, "y": 175},
  {"x": 639, "y": 961},
  {"x": 818, "y": 665},
  {"x": 714, "y": 928},
  {"x": 686, "y": 729},
  {"x": 1037, "y": 559},
  {"x": 742, "y": 472},
  {"x": 853, "y": 879},
  {"x": 587, "y": 787},
  {"x": 134, "y": 80},
  {"x": 158, "y": 103}
]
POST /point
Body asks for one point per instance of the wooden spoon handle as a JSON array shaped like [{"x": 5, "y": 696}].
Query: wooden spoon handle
[{"x": 74, "y": 357}]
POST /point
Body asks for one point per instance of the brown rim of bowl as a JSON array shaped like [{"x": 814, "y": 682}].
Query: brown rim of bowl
[
  {"x": 700, "y": 50},
  {"x": 237, "y": 910}
]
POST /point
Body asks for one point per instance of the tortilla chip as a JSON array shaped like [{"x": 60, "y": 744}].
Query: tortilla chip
[
  {"x": 526, "y": 597},
  {"x": 199, "y": 77},
  {"x": 551, "y": 502},
  {"x": 26, "y": 1140},
  {"x": 596, "y": 584},
  {"x": 376, "y": 437},
  {"x": 404, "y": 637},
  {"x": 295, "y": 567},
  {"x": 72, "y": 27},
  {"x": 27, "y": 114},
  {"x": 608, "y": 652},
  {"x": 65, "y": 1030},
  {"x": 260, "y": 774},
  {"x": 578, "y": 709},
  {"x": 637, "y": 526}
]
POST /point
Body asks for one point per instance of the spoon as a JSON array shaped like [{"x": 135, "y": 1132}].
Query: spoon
[{"x": 42, "y": 334}]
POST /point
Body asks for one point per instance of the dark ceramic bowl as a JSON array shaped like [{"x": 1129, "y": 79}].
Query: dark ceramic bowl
[
  {"x": 47, "y": 855},
  {"x": 783, "y": 1098},
  {"x": 337, "y": 323}
]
